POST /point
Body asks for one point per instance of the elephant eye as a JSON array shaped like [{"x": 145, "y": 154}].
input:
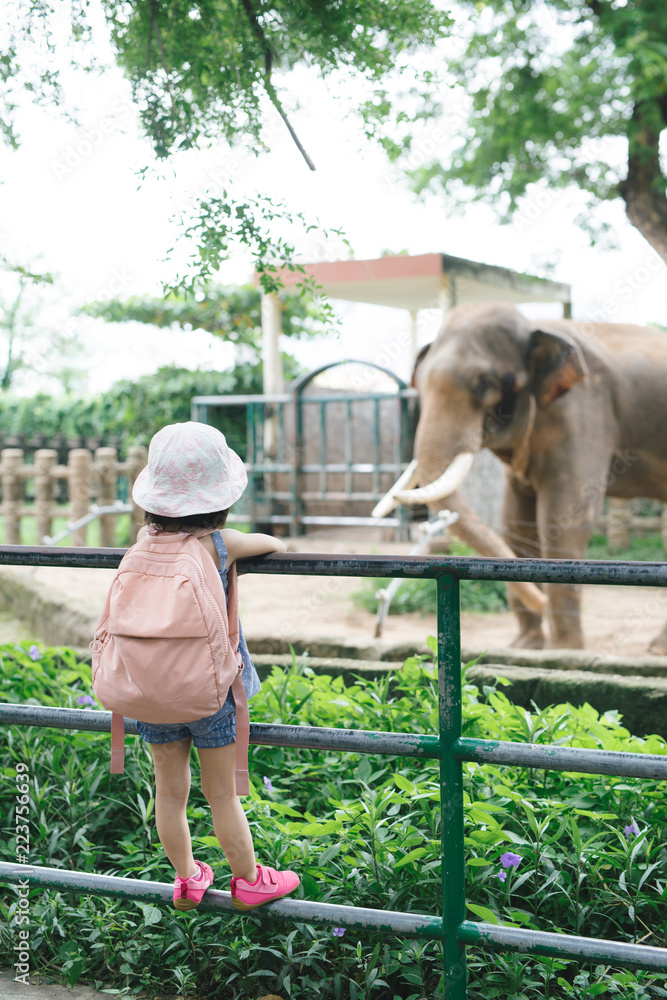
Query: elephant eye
[{"x": 482, "y": 385}]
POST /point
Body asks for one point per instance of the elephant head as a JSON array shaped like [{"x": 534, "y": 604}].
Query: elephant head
[{"x": 480, "y": 384}]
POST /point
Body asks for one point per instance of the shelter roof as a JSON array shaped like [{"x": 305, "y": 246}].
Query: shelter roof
[{"x": 421, "y": 281}]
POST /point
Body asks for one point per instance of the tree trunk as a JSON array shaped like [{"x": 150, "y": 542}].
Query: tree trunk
[{"x": 643, "y": 190}]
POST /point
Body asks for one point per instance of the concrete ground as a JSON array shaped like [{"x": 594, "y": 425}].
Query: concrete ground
[{"x": 39, "y": 988}]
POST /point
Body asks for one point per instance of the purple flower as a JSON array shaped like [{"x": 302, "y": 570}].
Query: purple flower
[
  {"x": 34, "y": 653},
  {"x": 632, "y": 830},
  {"x": 338, "y": 931},
  {"x": 86, "y": 700},
  {"x": 501, "y": 875},
  {"x": 267, "y": 784},
  {"x": 510, "y": 860}
]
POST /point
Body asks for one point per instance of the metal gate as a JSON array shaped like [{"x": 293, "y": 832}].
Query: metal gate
[{"x": 311, "y": 454}]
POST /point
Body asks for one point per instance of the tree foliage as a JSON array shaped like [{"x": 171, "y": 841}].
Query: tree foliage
[
  {"x": 550, "y": 81},
  {"x": 202, "y": 71},
  {"x": 233, "y": 313}
]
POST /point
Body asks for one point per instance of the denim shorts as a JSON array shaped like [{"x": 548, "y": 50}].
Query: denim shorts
[{"x": 213, "y": 731}]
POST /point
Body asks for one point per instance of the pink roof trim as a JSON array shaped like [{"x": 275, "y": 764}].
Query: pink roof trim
[{"x": 380, "y": 269}]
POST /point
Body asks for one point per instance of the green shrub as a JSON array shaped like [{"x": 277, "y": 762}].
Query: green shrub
[
  {"x": 361, "y": 830},
  {"x": 132, "y": 410},
  {"x": 642, "y": 548}
]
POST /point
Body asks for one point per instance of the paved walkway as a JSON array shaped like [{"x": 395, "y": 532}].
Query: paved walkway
[{"x": 40, "y": 989}]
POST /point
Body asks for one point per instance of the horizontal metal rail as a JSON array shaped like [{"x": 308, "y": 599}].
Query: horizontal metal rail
[
  {"x": 552, "y": 758},
  {"x": 261, "y": 734},
  {"x": 619, "y": 763},
  {"x": 562, "y": 945},
  {"x": 645, "y": 574},
  {"x": 215, "y": 900}
]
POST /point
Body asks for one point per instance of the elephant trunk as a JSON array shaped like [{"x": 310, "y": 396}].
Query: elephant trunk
[
  {"x": 440, "y": 489},
  {"x": 470, "y": 528}
]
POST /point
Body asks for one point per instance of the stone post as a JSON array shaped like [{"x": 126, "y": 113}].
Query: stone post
[
  {"x": 45, "y": 461},
  {"x": 137, "y": 457},
  {"x": 79, "y": 467},
  {"x": 105, "y": 467},
  {"x": 619, "y": 517},
  {"x": 11, "y": 464}
]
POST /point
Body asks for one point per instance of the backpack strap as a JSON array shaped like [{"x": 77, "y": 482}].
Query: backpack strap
[
  {"x": 238, "y": 690},
  {"x": 117, "y": 765},
  {"x": 117, "y": 744}
]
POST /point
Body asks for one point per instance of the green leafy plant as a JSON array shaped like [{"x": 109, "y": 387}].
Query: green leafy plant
[
  {"x": 361, "y": 829},
  {"x": 642, "y": 548}
]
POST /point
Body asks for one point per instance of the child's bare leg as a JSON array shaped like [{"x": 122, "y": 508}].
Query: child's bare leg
[
  {"x": 172, "y": 787},
  {"x": 218, "y": 783}
]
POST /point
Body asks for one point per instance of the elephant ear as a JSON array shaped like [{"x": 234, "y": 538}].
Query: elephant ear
[{"x": 555, "y": 364}]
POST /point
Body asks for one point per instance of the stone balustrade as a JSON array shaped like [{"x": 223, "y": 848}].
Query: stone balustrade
[{"x": 90, "y": 476}]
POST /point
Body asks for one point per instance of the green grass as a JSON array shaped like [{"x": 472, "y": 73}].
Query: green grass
[{"x": 29, "y": 531}]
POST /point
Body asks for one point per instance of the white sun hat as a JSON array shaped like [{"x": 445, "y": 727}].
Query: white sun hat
[{"x": 191, "y": 470}]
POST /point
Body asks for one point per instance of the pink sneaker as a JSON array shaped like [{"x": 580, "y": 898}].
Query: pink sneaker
[
  {"x": 189, "y": 891},
  {"x": 270, "y": 885}
]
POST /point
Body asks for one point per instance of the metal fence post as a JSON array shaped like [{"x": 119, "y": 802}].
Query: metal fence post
[{"x": 451, "y": 786}]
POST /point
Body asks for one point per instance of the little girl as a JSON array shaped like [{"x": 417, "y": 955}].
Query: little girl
[{"x": 191, "y": 480}]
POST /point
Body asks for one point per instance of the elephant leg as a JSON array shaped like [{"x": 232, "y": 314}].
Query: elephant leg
[
  {"x": 520, "y": 533},
  {"x": 659, "y": 645},
  {"x": 565, "y": 526}
]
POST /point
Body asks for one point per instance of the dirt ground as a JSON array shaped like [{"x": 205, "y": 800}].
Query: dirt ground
[{"x": 617, "y": 620}]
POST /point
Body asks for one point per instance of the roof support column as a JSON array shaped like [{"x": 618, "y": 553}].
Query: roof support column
[{"x": 272, "y": 368}]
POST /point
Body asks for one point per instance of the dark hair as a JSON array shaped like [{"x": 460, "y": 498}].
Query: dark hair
[{"x": 215, "y": 519}]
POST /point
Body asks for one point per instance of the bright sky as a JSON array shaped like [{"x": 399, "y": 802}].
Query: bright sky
[{"x": 70, "y": 203}]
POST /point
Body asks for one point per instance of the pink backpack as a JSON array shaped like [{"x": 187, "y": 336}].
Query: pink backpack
[{"x": 166, "y": 644}]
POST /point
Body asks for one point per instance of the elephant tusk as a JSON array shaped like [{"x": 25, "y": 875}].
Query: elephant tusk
[
  {"x": 442, "y": 487},
  {"x": 404, "y": 481}
]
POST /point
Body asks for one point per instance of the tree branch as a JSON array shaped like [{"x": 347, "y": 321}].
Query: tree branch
[
  {"x": 163, "y": 57},
  {"x": 270, "y": 89}
]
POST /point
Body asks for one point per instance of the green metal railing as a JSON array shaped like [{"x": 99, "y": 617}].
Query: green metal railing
[{"x": 449, "y": 747}]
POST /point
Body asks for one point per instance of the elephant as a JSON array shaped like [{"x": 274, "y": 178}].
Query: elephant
[{"x": 576, "y": 411}]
